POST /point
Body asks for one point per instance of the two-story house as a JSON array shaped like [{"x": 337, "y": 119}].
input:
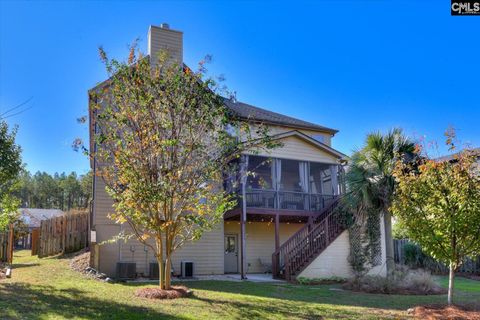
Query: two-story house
[{"x": 289, "y": 228}]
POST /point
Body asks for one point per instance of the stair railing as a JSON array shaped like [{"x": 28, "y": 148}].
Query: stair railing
[{"x": 307, "y": 243}]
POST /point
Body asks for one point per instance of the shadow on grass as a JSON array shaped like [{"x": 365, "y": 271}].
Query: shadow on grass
[
  {"x": 320, "y": 294},
  {"x": 245, "y": 310},
  {"x": 25, "y": 301}
]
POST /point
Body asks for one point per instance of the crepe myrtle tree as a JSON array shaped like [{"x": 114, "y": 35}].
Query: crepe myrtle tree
[
  {"x": 165, "y": 141},
  {"x": 438, "y": 203}
]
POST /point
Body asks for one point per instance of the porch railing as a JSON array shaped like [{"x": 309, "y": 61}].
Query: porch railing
[{"x": 287, "y": 200}]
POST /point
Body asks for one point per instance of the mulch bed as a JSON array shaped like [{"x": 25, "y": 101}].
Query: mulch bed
[
  {"x": 315, "y": 282},
  {"x": 157, "y": 293},
  {"x": 437, "y": 312}
]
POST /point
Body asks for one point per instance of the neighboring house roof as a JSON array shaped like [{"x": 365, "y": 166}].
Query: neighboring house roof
[
  {"x": 32, "y": 217},
  {"x": 252, "y": 113},
  {"x": 454, "y": 155}
]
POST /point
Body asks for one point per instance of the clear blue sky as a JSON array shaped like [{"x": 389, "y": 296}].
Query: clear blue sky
[{"x": 357, "y": 66}]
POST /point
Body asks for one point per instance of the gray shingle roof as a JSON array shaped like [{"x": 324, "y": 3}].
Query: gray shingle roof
[
  {"x": 249, "y": 112},
  {"x": 452, "y": 156},
  {"x": 33, "y": 217}
]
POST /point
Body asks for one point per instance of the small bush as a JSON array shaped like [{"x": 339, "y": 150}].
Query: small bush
[{"x": 404, "y": 281}]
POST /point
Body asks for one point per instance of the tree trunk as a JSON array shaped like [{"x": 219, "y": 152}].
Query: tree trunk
[
  {"x": 168, "y": 272},
  {"x": 161, "y": 268},
  {"x": 450, "y": 283},
  {"x": 161, "y": 272},
  {"x": 390, "y": 262}
]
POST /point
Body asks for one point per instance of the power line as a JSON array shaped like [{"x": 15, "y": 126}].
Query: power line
[{"x": 5, "y": 114}]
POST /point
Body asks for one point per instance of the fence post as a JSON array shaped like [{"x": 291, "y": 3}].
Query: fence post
[{"x": 10, "y": 244}]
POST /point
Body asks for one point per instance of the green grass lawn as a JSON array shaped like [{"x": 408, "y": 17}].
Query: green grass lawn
[
  {"x": 462, "y": 284},
  {"x": 48, "y": 289}
]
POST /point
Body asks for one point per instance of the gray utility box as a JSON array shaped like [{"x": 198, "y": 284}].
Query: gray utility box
[
  {"x": 126, "y": 270},
  {"x": 153, "y": 272}
]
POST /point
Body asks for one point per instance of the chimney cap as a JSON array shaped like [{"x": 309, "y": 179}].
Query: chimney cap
[{"x": 164, "y": 25}]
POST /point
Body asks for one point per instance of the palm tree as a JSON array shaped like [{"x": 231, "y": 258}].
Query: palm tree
[{"x": 370, "y": 181}]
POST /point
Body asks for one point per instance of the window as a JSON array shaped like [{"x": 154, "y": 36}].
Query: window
[{"x": 230, "y": 246}]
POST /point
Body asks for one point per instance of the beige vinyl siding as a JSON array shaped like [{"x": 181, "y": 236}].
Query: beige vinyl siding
[
  {"x": 108, "y": 254},
  {"x": 333, "y": 261},
  {"x": 206, "y": 253},
  {"x": 297, "y": 149},
  {"x": 327, "y": 137},
  {"x": 276, "y": 129},
  {"x": 260, "y": 240},
  {"x": 103, "y": 203},
  {"x": 165, "y": 39}
]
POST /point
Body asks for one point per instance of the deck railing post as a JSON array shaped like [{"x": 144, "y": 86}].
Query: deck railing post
[
  {"x": 287, "y": 267},
  {"x": 327, "y": 234}
]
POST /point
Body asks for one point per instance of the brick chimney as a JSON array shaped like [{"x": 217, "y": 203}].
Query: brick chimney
[{"x": 163, "y": 38}]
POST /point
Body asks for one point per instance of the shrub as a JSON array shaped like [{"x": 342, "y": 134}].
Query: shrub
[
  {"x": 404, "y": 281},
  {"x": 416, "y": 258}
]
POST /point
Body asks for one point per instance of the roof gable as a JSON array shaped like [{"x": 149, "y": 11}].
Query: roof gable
[{"x": 322, "y": 146}]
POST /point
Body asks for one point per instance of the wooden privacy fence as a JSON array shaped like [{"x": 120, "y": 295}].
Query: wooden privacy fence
[
  {"x": 3, "y": 246},
  {"x": 35, "y": 239},
  {"x": 399, "y": 250},
  {"x": 6, "y": 246},
  {"x": 64, "y": 234},
  {"x": 426, "y": 262}
]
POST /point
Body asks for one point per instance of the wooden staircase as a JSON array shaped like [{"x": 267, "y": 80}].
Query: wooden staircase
[{"x": 306, "y": 244}]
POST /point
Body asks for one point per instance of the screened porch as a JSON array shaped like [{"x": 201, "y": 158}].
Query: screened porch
[{"x": 292, "y": 185}]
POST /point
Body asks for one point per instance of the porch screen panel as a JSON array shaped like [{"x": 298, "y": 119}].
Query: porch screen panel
[
  {"x": 321, "y": 191},
  {"x": 260, "y": 182},
  {"x": 334, "y": 178},
  {"x": 291, "y": 194},
  {"x": 303, "y": 173},
  {"x": 260, "y": 173},
  {"x": 290, "y": 174}
]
